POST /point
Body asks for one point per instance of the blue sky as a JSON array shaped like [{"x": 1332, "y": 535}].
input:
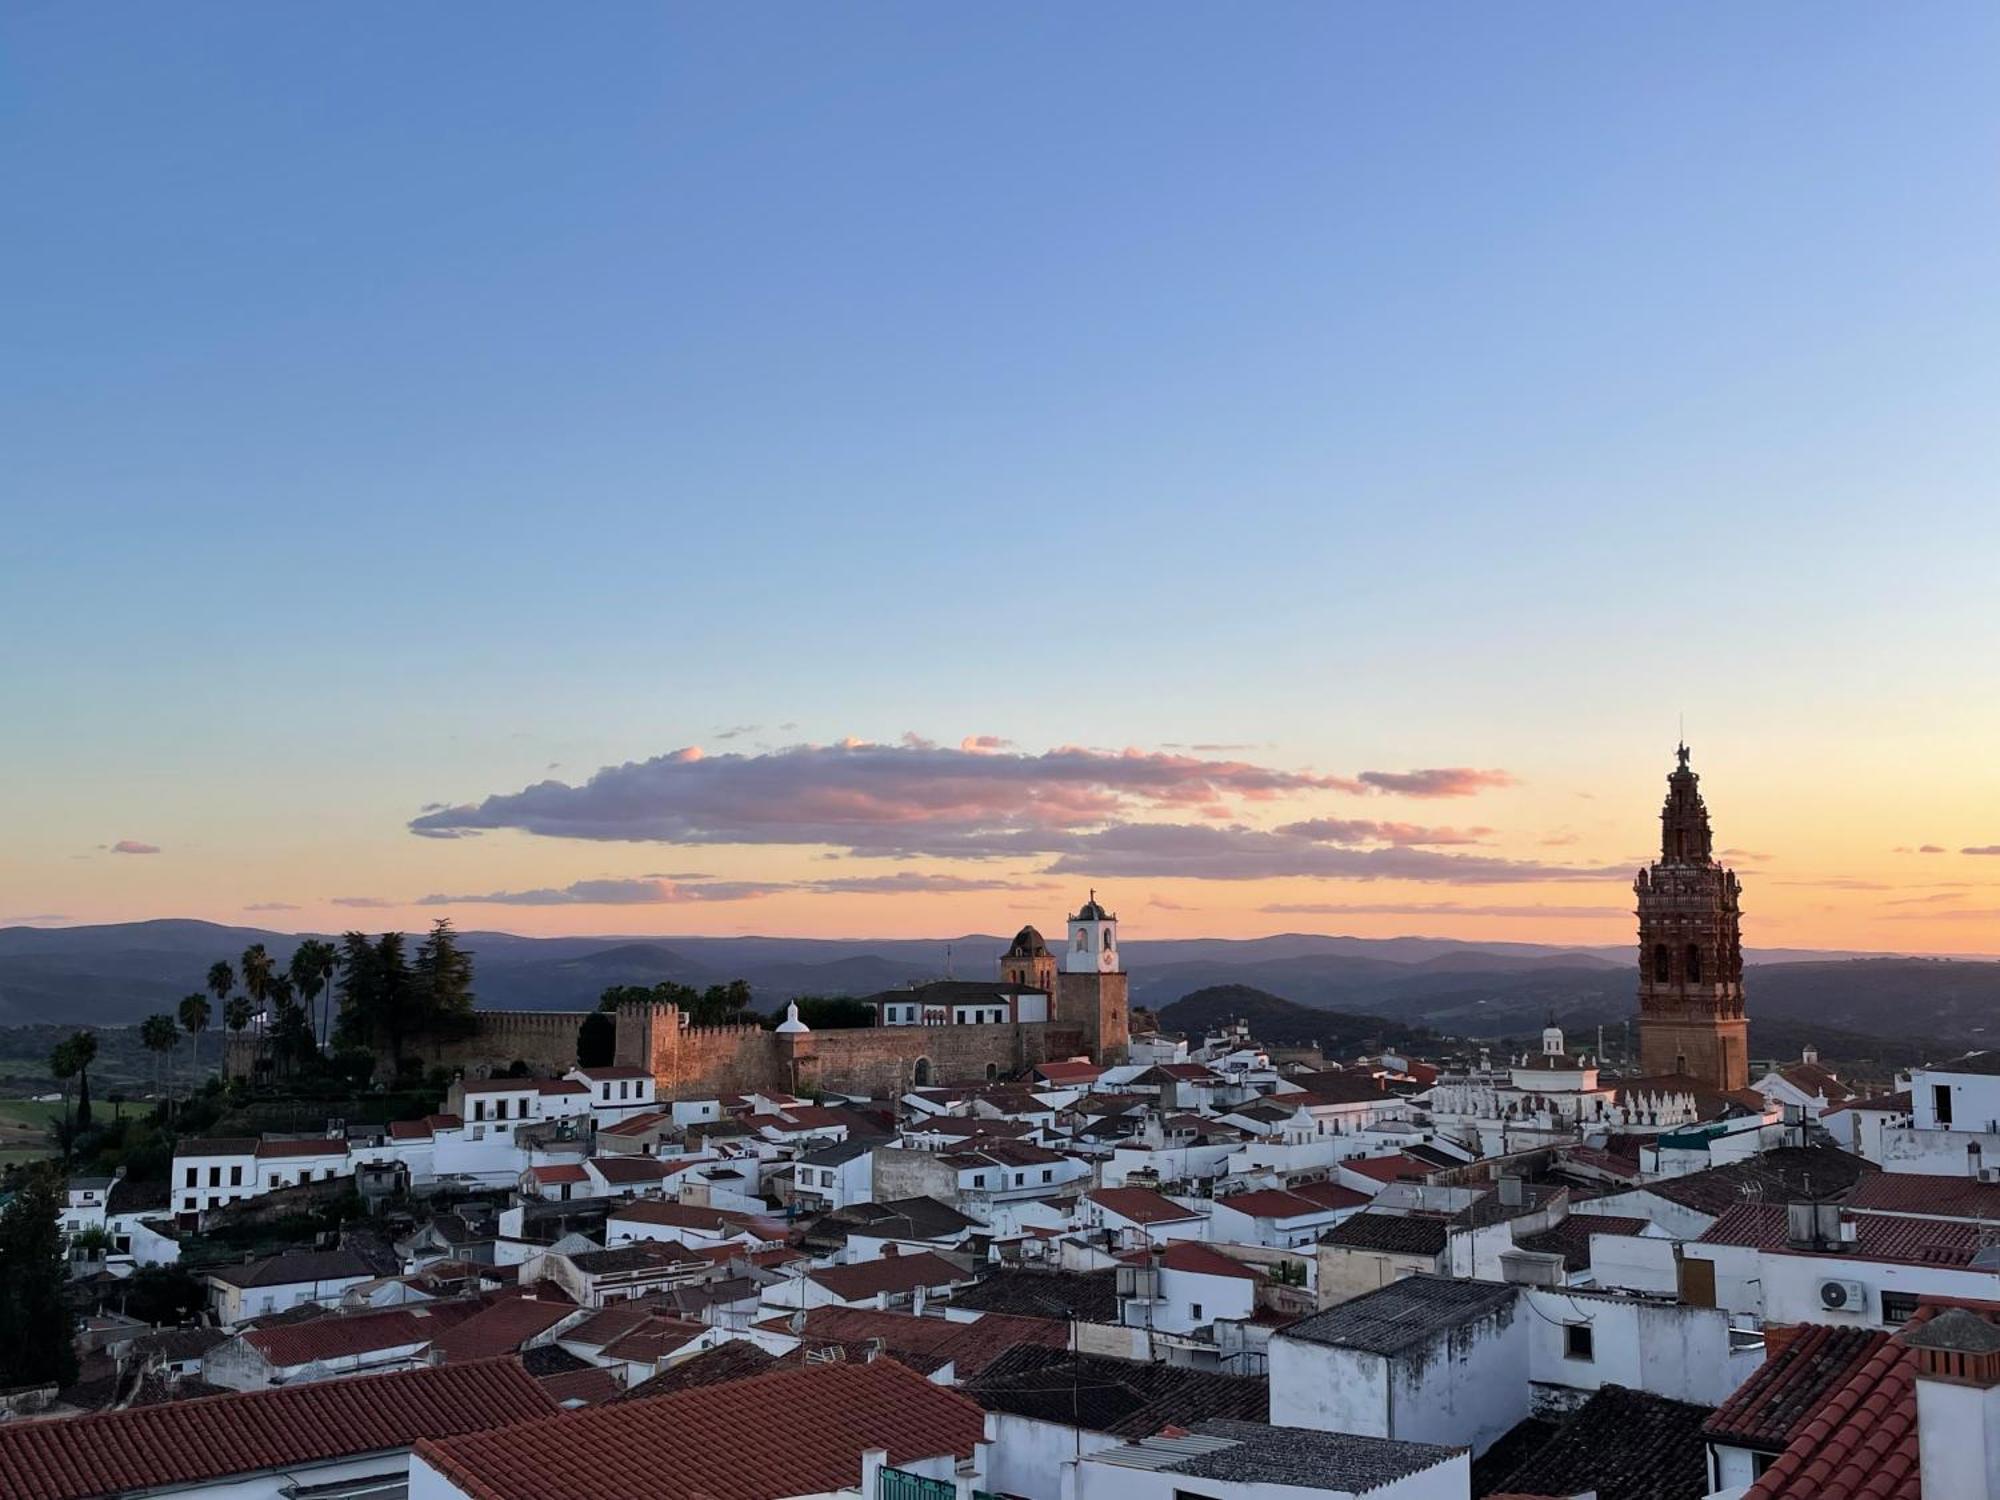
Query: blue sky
[{"x": 409, "y": 403}]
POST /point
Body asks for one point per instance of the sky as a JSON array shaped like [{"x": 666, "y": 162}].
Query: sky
[{"x": 878, "y": 470}]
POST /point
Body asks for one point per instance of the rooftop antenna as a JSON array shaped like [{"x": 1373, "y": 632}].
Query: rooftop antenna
[{"x": 947, "y": 960}]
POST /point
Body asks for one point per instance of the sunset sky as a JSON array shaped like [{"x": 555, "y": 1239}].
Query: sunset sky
[{"x": 881, "y": 470}]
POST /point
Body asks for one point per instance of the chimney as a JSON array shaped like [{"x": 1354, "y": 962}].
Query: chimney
[
  {"x": 1957, "y": 1355},
  {"x": 1809, "y": 1053}
]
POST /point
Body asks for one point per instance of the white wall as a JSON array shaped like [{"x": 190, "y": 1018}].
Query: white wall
[
  {"x": 1782, "y": 1287},
  {"x": 1664, "y": 1349},
  {"x": 1466, "y": 1388},
  {"x": 1028, "y": 1456}
]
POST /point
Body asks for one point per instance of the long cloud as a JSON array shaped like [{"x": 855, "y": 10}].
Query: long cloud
[{"x": 977, "y": 799}]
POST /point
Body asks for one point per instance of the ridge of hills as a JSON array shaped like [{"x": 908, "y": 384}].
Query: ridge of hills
[{"x": 117, "y": 974}]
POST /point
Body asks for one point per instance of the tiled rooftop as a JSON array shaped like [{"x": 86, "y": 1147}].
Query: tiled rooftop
[
  {"x": 1881, "y": 1237},
  {"x": 1256, "y": 1454},
  {"x": 191, "y": 1443},
  {"x": 1399, "y": 1234},
  {"x": 1404, "y": 1314},
  {"x": 720, "y": 1441},
  {"x": 1621, "y": 1445},
  {"x": 1767, "y": 1410},
  {"x": 1121, "y": 1397},
  {"x": 1141, "y": 1205},
  {"x": 893, "y": 1274}
]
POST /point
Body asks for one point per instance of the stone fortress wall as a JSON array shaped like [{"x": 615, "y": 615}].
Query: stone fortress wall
[{"x": 1090, "y": 1016}]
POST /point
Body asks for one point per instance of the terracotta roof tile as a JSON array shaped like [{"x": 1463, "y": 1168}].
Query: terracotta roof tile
[
  {"x": 1271, "y": 1203},
  {"x": 341, "y": 1336},
  {"x": 500, "y": 1329},
  {"x": 318, "y": 1146},
  {"x": 197, "y": 1442},
  {"x": 893, "y": 1274},
  {"x": 1927, "y": 1193},
  {"x": 720, "y": 1441},
  {"x": 1769, "y": 1408},
  {"x": 1879, "y": 1237},
  {"x": 970, "y": 1347},
  {"x": 1141, "y": 1205},
  {"x": 1862, "y": 1440},
  {"x": 1199, "y": 1260}
]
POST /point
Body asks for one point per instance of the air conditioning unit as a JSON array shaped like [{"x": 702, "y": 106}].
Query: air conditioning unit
[
  {"x": 1989, "y": 1174},
  {"x": 1843, "y": 1296}
]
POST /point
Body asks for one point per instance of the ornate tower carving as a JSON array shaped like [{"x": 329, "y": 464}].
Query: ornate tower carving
[
  {"x": 1028, "y": 962},
  {"x": 1691, "y": 949}
]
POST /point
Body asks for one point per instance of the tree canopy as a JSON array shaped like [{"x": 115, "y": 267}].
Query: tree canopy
[
  {"x": 37, "y": 1344},
  {"x": 718, "y": 1005}
]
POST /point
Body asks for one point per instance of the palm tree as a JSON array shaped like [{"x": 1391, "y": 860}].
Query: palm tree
[
  {"x": 194, "y": 1021},
  {"x": 311, "y": 972},
  {"x": 159, "y": 1034},
  {"x": 257, "y": 970},
  {"x": 63, "y": 1067},
  {"x": 221, "y": 980},
  {"x": 85, "y": 1045}
]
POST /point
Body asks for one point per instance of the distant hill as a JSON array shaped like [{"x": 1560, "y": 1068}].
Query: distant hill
[
  {"x": 117, "y": 974},
  {"x": 1277, "y": 1021}
]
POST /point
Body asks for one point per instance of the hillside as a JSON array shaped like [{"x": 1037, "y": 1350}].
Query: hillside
[{"x": 1277, "y": 1021}]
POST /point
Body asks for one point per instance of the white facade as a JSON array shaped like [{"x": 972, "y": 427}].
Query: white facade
[{"x": 1093, "y": 941}]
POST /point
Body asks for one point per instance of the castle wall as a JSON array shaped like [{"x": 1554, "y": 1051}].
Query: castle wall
[
  {"x": 544, "y": 1039},
  {"x": 884, "y": 1060}
]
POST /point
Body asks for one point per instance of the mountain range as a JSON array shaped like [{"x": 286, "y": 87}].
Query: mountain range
[{"x": 117, "y": 974}]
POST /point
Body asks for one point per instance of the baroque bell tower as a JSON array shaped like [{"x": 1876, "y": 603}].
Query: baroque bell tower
[{"x": 1691, "y": 949}]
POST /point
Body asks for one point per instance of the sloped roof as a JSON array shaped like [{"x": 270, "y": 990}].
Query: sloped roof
[
  {"x": 501, "y": 1328},
  {"x": 968, "y": 1346},
  {"x": 1196, "y": 1259},
  {"x": 296, "y": 1266},
  {"x": 1121, "y": 1397},
  {"x": 1404, "y": 1314},
  {"x": 893, "y": 1274},
  {"x": 1141, "y": 1205},
  {"x": 1892, "y": 1237},
  {"x": 1927, "y": 1193},
  {"x": 197, "y": 1442},
  {"x": 339, "y": 1336},
  {"x": 722, "y": 1442},
  {"x": 1622, "y": 1445},
  {"x": 1302, "y": 1457},
  {"x": 1571, "y": 1238},
  {"x": 1091, "y": 1296},
  {"x": 1768, "y": 1410},
  {"x": 1273, "y": 1203},
  {"x": 1398, "y": 1234},
  {"x": 738, "y": 1359},
  {"x": 1789, "y": 1171},
  {"x": 1861, "y": 1440}
]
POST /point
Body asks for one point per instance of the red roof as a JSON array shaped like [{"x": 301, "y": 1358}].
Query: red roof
[
  {"x": 653, "y": 1340},
  {"x": 409, "y": 1130},
  {"x": 797, "y": 1432},
  {"x": 199, "y": 1442},
  {"x": 1394, "y": 1168},
  {"x": 639, "y": 1124},
  {"x": 1329, "y": 1194},
  {"x": 500, "y": 1329},
  {"x": 1931, "y": 1242},
  {"x": 1199, "y": 1260},
  {"x": 893, "y": 1274},
  {"x": 612, "y": 1075},
  {"x": 1270, "y": 1203},
  {"x": 693, "y": 1216},
  {"x": 553, "y": 1172},
  {"x": 1069, "y": 1072},
  {"x": 628, "y": 1168},
  {"x": 1795, "y": 1380},
  {"x": 324, "y": 1145},
  {"x": 343, "y": 1336},
  {"x": 968, "y": 1346},
  {"x": 1929, "y": 1193},
  {"x": 561, "y": 1086},
  {"x": 585, "y": 1387},
  {"x": 1141, "y": 1205},
  {"x": 1862, "y": 1441}
]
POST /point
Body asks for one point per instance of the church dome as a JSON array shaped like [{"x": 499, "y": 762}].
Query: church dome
[
  {"x": 1028, "y": 944},
  {"x": 1092, "y": 912}
]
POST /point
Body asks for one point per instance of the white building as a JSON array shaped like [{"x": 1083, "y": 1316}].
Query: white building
[{"x": 1223, "y": 1460}]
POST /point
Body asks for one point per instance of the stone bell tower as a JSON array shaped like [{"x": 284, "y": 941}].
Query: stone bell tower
[
  {"x": 1091, "y": 988},
  {"x": 1691, "y": 949}
]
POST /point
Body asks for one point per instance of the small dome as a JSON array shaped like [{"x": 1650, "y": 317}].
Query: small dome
[
  {"x": 1028, "y": 944},
  {"x": 792, "y": 1025},
  {"x": 1092, "y": 912}
]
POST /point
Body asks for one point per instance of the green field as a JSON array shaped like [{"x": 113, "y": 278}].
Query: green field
[{"x": 24, "y": 1130}]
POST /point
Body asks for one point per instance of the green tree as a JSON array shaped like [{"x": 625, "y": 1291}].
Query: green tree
[
  {"x": 221, "y": 980},
  {"x": 237, "y": 1013},
  {"x": 37, "y": 1338},
  {"x": 597, "y": 1040},
  {"x": 359, "y": 988},
  {"x": 159, "y": 1034},
  {"x": 194, "y": 1017},
  {"x": 443, "y": 978},
  {"x": 258, "y": 971},
  {"x": 63, "y": 1066},
  {"x": 313, "y": 966},
  {"x": 830, "y": 1012}
]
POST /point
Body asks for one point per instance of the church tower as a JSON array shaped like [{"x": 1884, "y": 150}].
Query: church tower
[
  {"x": 1091, "y": 989},
  {"x": 1691, "y": 949}
]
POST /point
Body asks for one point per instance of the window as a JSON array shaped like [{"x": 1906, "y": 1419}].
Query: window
[
  {"x": 1020, "y": 1179},
  {"x": 624, "y": 1089},
  {"x": 1194, "y": 1310},
  {"x": 1663, "y": 964},
  {"x": 1898, "y": 1308},
  {"x": 1694, "y": 963},
  {"x": 192, "y": 1175},
  {"x": 1048, "y": 1174},
  {"x": 1941, "y": 1102},
  {"x": 236, "y": 1177},
  {"x": 1578, "y": 1342},
  {"x": 979, "y": 1179},
  {"x": 188, "y": 1204},
  {"x": 478, "y": 1110},
  {"x": 215, "y": 1177}
]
